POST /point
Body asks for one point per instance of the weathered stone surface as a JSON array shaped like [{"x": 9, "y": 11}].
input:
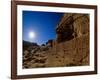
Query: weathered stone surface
[{"x": 72, "y": 25}]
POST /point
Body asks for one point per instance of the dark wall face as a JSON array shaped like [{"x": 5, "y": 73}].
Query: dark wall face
[
  {"x": 65, "y": 30},
  {"x": 72, "y": 25}
]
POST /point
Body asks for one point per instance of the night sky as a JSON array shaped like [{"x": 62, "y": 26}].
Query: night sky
[{"x": 43, "y": 24}]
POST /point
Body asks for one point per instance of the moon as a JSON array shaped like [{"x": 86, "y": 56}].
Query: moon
[{"x": 31, "y": 35}]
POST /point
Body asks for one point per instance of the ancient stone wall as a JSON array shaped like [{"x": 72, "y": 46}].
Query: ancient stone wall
[
  {"x": 72, "y": 41},
  {"x": 72, "y": 25}
]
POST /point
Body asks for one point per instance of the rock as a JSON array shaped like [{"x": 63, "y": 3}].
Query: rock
[
  {"x": 32, "y": 61},
  {"x": 72, "y": 26},
  {"x": 43, "y": 60},
  {"x": 39, "y": 65},
  {"x": 26, "y": 52},
  {"x": 43, "y": 48}
]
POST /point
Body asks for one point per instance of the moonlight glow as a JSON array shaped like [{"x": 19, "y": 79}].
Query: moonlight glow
[{"x": 31, "y": 35}]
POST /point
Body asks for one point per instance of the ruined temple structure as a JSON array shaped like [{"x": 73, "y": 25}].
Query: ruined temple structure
[
  {"x": 69, "y": 48},
  {"x": 72, "y": 40},
  {"x": 50, "y": 43},
  {"x": 71, "y": 26}
]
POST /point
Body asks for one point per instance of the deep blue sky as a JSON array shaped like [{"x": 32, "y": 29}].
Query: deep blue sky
[{"x": 43, "y": 24}]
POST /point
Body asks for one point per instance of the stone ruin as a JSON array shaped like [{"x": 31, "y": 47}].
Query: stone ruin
[
  {"x": 50, "y": 43},
  {"x": 72, "y": 25}
]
